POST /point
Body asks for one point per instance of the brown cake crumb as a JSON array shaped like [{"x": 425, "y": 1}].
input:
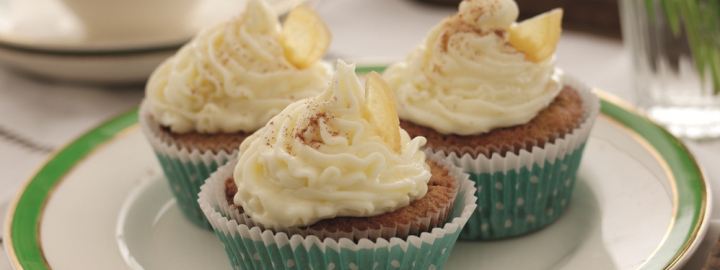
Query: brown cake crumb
[
  {"x": 230, "y": 190},
  {"x": 215, "y": 142},
  {"x": 561, "y": 117},
  {"x": 442, "y": 189}
]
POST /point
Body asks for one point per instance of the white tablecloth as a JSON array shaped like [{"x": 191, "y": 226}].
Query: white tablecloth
[{"x": 50, "y": 114}]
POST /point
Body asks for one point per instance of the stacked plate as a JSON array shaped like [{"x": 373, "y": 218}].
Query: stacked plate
[{"x": 44, "y": 38}]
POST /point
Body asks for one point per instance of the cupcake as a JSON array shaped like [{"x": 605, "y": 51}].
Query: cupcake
[
  {"x": 484, "y": 91},
  {"x": 334, "y": 182},
  {"x": 223, "y": 85}
]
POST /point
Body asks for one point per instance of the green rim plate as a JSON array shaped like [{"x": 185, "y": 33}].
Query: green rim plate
[{"x": 24, "y": 217}]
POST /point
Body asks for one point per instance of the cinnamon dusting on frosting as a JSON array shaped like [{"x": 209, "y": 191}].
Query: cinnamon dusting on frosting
[{"x": 310, "y": 134}]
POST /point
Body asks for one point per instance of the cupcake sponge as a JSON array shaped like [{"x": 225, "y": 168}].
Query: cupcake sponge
[
  {"x": 419, "y": 216},
  {"x": 561, "y": 117}
]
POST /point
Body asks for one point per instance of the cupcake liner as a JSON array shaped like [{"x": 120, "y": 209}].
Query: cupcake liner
[
  {"x": 524, "y": 192},
  {"x": 185, "y": 169},
  {"x": 250, "y": 247},
  {"x": 355, "y": 234}
]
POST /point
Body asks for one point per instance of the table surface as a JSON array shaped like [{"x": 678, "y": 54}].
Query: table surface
[{"x": 37, "y": 116}]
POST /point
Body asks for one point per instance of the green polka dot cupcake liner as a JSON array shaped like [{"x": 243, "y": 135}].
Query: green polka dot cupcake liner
[
  {"x": 525, "y": 192},
  {"x": 185, "y": 169},
  {"x": 248, "y": 246}
]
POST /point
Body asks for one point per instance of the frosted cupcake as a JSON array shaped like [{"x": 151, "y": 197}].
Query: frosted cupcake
[
  {"x": 484, "y": 91},
  {"x": 334, "y": 182},
  {"x": 226, "y": 83}
]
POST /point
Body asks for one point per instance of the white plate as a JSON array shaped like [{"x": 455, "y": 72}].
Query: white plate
[{"x": 640, "y": 203}]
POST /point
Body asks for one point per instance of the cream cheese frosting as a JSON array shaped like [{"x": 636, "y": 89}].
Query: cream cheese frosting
[
  {"x": 320, "y": 158},
  {"x": 467, "y": 79},
  {"x": 232, "y": 77}
]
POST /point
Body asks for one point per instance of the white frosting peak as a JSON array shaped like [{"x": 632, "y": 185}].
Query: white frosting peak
[
  {"x": 489, "y": 14},
  {"x": 320, "y": 158},
  {"x": 466, "y": 79},
  {"x": 231, "y": 77}
]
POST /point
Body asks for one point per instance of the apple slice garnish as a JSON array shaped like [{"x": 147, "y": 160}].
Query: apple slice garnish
[
  {"x": 381, "y": 111},
  {"x": 538, "y": 36},
  {"x": 305, "y": 37}
]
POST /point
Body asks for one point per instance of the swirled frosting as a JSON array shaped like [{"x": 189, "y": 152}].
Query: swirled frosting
[
  {"x": 467, "y": 79},
  {"x": 320, "y": 158},
  {"x": 232, "y": 77}
]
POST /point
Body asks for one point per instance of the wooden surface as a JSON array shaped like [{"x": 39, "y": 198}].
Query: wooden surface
[
  {"x": 594, "y": 16},
  {"x": 713, "y": 258}
]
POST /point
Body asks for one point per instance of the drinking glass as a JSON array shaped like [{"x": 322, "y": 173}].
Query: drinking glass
[{"x": 675, "y": 50}]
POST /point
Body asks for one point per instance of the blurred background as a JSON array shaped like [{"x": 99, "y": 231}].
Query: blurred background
[
  {"x": 600, "y": 17},
  {"x": 67, "y": 65}
]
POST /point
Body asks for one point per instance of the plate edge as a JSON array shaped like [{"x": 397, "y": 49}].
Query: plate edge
[
  {"x": 677, "y": 261},
  {"x": 8, "y": 240},
  {"x": 700, "y": 230}
]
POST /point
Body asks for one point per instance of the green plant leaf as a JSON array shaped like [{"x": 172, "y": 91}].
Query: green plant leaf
[
  {"x": 715, "y": 72},
  {"x": 670, "y": 8},
  {"x": 650, "y": 9},
  {"x": 700, "y": 22}
]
